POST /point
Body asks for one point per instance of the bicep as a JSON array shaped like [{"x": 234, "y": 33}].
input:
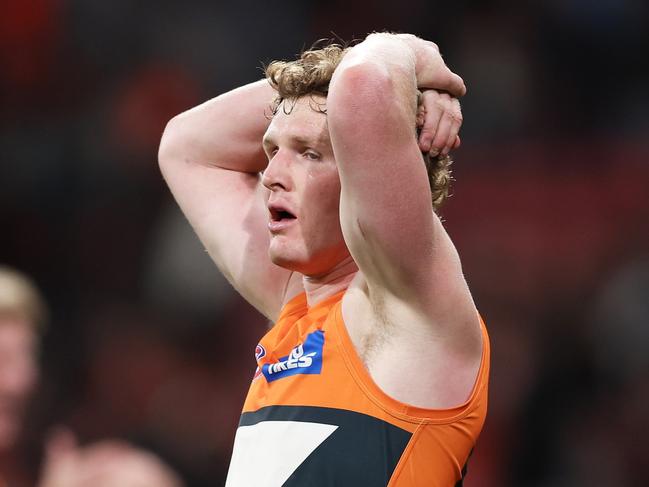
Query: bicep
[{"x": 227, "y": 211}]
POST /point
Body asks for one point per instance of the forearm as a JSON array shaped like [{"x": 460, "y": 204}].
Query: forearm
[
  {"x": 385, "y": 193},
  {"x": 224, "y": 132},
  {"x": 423, "y": 56}
]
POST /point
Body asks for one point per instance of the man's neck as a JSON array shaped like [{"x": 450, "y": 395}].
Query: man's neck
[{"x": 319, "y": 288}]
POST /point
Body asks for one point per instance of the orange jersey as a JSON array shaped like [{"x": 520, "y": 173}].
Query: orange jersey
[{"x": 314, "y": 416}]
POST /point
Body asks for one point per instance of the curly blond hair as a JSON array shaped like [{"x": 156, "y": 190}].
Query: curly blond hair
[{"x": 310, "y": 75}]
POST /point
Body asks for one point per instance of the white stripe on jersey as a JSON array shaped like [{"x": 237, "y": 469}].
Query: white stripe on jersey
[{"x": 266, "y": 454}]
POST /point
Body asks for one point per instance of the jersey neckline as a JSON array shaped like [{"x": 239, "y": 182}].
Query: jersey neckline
[{"x": 298, "y": 304}]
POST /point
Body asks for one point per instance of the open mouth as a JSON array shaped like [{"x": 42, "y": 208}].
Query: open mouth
[{"x": 279, "y": 214}]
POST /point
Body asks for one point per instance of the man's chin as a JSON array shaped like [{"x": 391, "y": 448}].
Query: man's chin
[
  {"x": 292, "y": 262},
  {"x": 303, "y": 266},
  {"x": 281, "y": 259}
]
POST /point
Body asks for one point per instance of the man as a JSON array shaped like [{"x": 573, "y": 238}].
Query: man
[
  {"x": 22, "y": 317},
  {"x": 375, "y": 371}
]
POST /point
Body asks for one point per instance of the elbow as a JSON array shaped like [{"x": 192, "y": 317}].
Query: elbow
[
  {"x": 357, "y": 90},
  {"x": 361, "y": 80},
  {"x": 170, "y": 142},
  {"x": 376, "y": 73},
  {"x": 362, "y": 73},
  {"x": 355, "y": 87}
]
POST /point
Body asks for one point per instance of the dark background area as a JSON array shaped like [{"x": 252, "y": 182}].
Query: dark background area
[{"x": 550, "y": 214}]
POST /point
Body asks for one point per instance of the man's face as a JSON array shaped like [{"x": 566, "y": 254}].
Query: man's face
[
  {"x": 304, "y": 190},
  {"x": 18, "y": 375}
]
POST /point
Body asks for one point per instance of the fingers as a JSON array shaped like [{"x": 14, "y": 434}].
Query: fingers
[
  {"x": 455, "y": 115},
  {"x": 431, "y": 70},
  {"x": 421, "y": 113},
  {"x": 447, "y": 80},
  {"x": 436, "y": 75},
  {"x": 432, "y": 113},
  {"x": 441, "y": 125},
  {"x": 441, "y": 76}
]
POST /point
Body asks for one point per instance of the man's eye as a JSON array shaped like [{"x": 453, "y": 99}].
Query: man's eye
[{"x": 311, "y": 155}]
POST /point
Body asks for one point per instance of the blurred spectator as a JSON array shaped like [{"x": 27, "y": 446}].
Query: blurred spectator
[
  {"x": 22, "y": 318},
  {"x": 106, "y": 463}
]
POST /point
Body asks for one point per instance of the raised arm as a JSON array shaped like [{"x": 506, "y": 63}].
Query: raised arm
[
  {"x": 399, "y": 244},
  {"x": 211, "y": 157}
]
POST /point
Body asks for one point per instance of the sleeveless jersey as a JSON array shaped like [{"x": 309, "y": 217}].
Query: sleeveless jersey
[{"x": 314, "y": 417}]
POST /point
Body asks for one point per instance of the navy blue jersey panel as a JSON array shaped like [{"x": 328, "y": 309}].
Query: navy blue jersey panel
[{"x": 363, "y": 450}]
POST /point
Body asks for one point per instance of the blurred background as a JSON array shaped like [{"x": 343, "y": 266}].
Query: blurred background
[{"x": 550, "y": 214}]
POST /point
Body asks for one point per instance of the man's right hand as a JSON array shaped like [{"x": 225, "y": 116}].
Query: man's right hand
[{"x": 430, "y": 68}]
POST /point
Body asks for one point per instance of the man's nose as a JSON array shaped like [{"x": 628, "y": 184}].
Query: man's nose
[{"x": 276, "y": 175}]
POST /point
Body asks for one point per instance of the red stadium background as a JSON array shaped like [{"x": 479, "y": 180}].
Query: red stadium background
[{"x": 550, "y": 214}]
